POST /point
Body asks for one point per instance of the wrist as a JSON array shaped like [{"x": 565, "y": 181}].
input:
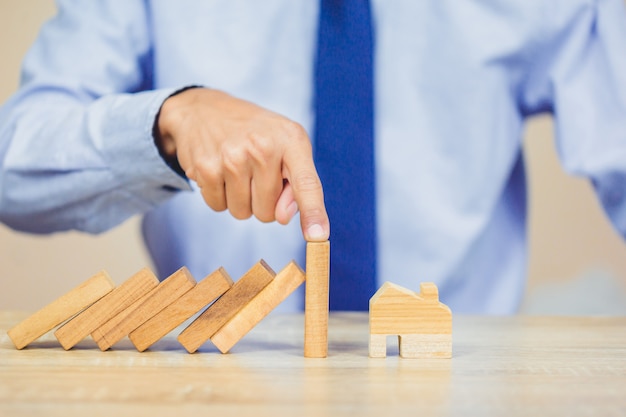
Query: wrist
[{"x": 162, "y": 131}]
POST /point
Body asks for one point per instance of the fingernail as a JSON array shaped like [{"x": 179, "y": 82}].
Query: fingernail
[{"x": 315, "y": 232}]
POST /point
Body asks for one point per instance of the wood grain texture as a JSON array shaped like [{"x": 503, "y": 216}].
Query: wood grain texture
[
  {"x": 214, "y": 317},
  {"x": 194, "y": 300},
  {"x": 104, "y": 309},
  {"x": 316, "y": 299},
  {"x": 425, "y": 346},
  {"x": 61, "y": 309},
  {"x": 378, "y": 345},
  {"x": 503, "y": 366},
  {"x": 168, "y": 291},
  {"x": 285, "y": 282},
  {"x": 422, "y": 322}
]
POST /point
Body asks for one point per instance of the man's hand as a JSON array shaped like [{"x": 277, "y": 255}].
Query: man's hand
[{"x": 244, "y": 158}]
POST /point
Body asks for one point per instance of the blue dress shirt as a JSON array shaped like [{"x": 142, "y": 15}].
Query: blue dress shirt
[{"x": 454, "y": 83}]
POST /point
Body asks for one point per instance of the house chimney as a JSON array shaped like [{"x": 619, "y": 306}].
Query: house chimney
[{"x": 429, "y": 292}]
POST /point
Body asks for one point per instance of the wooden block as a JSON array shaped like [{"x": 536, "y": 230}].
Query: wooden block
[
  {"x": 203, "y": 294},
  {"x": 61, "y": 309},
  {"x": 214, "y": 317},
  {"x": 286, "y": 282},
  {"x": 423, "y": 324},
  {"x": 425, "y": 346},
  {"x": 378, "y": 346},
  {"x": 316, "y": 299},
  {"x": 104, "y": 309},
  {"x": 141, "y": 310}
]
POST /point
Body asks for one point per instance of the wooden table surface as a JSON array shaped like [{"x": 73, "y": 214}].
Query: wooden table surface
[{"x": 501, "y": 366}]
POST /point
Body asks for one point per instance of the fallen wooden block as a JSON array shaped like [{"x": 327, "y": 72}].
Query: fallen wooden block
[
  {"x": 104, "y": 309},
  {"x": 422, "y": 323},
  {"x": 214, "y": 317},
  {"x": 285, "y": 282},
  {"x": 61, "y": 309},
  {"x": 316, "y": 299},
  {"x": 168, "y": 291},
  {"x": 194, "y": 300}
]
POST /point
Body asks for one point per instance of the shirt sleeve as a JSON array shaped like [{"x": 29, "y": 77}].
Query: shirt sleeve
[
  {"x": 76, "y": 143},
  {"x": 582, "y": 81}
]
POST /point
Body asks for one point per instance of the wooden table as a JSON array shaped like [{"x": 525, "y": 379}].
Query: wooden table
[{"x": 501, "y": 366}]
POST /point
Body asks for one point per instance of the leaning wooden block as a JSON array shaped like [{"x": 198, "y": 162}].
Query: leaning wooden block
[
  {"x": 316, "y": 299},
  {"x": 141, "y": 310},
  {"x": 422, "y": 323},
  {"x": 214, "y": 317},
  {"x": 285, "y": 282},
  {"x": 61, "y": 309},
  {"x": 194, "y": 300},
  {"x": 104, "y": 309}
]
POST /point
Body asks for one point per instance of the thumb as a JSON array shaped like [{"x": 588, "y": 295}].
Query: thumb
[{"x": 312, "y": 229}]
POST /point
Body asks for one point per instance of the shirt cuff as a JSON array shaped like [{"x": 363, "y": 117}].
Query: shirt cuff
[
  {"x": 171, "y": 161},
  {"x": 127, "y": 144}
]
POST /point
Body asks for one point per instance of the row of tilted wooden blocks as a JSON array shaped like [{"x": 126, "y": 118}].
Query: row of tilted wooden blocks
[{"x": 145, "y": 309}]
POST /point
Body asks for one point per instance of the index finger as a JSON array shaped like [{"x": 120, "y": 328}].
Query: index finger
[{"x": 305, "y": 184}]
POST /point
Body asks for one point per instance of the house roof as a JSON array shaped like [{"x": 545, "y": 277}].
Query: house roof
[{"x": 428, "y": 292}]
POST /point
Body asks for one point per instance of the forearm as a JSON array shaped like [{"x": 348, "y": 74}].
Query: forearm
[{"x": 73, "y": 165}]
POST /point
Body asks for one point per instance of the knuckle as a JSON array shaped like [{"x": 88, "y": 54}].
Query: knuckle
[
  {"x": 208, "y": 173},
  {"x": 297, "y": 139},
  {"x": 295, "y": 131},
  {"x": 313, "y": 215},
  {"x": 262, "y": 148},
  {"x": 298, "y": 136},
  {"x": 306, "y": 182},
  {"x": 234, "y": 158}
]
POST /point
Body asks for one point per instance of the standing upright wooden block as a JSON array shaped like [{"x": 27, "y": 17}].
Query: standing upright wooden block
[
  {"x": 214, "y": 317},
  {"x": 285, "y": 282},
  {"x": 422, "y": 323},
  {"x": 61, "y": 309},
  {"x": 141, "y": 310},
  {"x": 104, "y": 309},
  {"x": 316, "y": 299},
  {"x": 203, "y": 294}
]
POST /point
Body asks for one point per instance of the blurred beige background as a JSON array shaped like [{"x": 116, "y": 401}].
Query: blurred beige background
[{"x": 577, "y": 262}]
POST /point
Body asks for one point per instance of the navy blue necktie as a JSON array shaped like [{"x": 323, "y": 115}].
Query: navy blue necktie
[{"x": 344, "y": 148}]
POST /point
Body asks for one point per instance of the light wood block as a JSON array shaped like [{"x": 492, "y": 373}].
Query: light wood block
[
  {"x": 61, "y": 309},
  {"x": 285, "y": 282},
  {"x": 423, "y": 324},
  {"x": 104, "y": 309},
  {"x": 214, "y": 317},
  {"x": 316, "y": 299},
  {"x": 200, "y": 296},
  {"x": 378, "y": 345},
  {"x": 425, "y": 346},
  {"x": 168, "y": 291}
]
